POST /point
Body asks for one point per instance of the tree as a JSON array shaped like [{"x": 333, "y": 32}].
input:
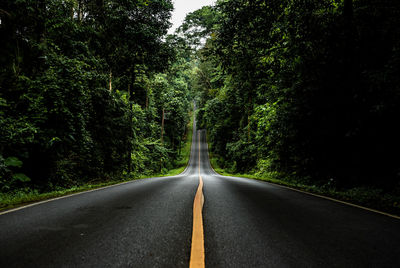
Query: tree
[
  {"x": 59, "y": 116},
  {"x": 299, "y": 86}
]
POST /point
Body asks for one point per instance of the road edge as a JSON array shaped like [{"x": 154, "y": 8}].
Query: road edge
[{"x": 310, "y": 193}]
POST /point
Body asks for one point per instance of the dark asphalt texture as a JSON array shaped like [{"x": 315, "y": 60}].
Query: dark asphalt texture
[{"x": 148, "y": 223}]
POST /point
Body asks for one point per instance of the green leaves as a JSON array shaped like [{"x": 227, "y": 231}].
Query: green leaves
[
  {"x": 13, "y": 162},
  {"x": 76, "y": 98},
  {"x": 9, "y": 175},
  {"x": 309, "y": 84},
  {"x": 21, "y": 177}
]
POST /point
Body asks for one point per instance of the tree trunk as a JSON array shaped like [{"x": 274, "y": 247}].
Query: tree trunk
[
  {"x": 110, "y": 84},
  {"x": 80, "y": 10},
  {"x": 162, "y": 126},
  {"x": 248, "y": 117},
  {"x": 130, "y": 94},
  {"x": 130, "y": 130}
]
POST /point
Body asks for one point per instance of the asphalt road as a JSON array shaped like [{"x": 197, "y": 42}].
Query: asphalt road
[{"x": 148, "y": 223}]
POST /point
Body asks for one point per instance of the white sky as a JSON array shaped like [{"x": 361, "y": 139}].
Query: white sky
[{"x": 183, "y": 7}]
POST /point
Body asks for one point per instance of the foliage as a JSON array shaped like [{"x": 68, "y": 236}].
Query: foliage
[
  {"x": 303, "y": 88},
  {"x": 23, "y": 196},
  {"x": 369, "y": 197},
  {"x": 95, "y": 89},
  {"x": 79, "y": 99}
]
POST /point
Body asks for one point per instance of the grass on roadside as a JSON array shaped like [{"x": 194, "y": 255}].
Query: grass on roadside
[
  {"x": 185, "y": 151},
  {"x": 27, "y": 196},
  {"x": 364, "y": 196}
]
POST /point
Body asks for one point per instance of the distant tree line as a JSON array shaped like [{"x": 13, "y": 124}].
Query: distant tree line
[
  {"x": 306, "y": 88},
  {"x": 83, "y": 86}
]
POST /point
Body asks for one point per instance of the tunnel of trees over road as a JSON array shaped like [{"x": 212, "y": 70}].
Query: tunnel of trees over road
[{"x": 94, "y": 90}]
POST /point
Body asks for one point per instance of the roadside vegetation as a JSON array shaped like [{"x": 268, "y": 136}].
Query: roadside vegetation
[
  {"x": 306, "y": 93},
  {"x": 302, "y": 93},
  {"x": 20, "y": 197},
  {"x": 182, "y": 161},
  {"x": 91, "y": 93},
  {"x": 370, "y": 197}
]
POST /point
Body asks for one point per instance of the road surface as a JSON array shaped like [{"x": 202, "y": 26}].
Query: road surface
[{"x": 148, "y": 223}]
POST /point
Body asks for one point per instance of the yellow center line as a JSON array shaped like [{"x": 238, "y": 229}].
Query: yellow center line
[{"x": 197, "y": 252}]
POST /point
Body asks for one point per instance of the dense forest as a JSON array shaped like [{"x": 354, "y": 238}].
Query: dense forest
[
  {"x": 84, "y": 86},
  {"x": 306, "y": 89},
  {"x": 93, "y": 90}
]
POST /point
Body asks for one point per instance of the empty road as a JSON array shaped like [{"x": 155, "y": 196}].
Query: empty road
[{"x": 148, "y": 223}]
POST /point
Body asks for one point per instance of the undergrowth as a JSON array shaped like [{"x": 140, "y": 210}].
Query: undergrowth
[
  {"x": 26, "y": 196},
  {"x": 373, "y": 198}
]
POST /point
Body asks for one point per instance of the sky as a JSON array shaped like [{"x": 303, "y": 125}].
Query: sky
[{"x": 183, "y": 7}]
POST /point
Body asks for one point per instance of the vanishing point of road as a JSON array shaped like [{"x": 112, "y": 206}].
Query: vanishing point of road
[{"x": 237, "y": 223}]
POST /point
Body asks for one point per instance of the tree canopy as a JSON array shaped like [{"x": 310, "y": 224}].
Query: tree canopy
[
  {"x": 91, "y": 90},
  {"x": 308, "y": 89},
  {"x": 83, "y": 85}
]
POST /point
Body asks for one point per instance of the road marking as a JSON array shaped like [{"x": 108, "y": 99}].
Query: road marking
[
  {"x": 337, "y": 201},
  {"x": 197, "y": 251},
  {"x": 197, "y": 258},
  {"x": 317, "y": 195},
  {"x": 75, "y": 194},
  {"x": 320, "y": 196},
  {"x": 61, "y": 197}
]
